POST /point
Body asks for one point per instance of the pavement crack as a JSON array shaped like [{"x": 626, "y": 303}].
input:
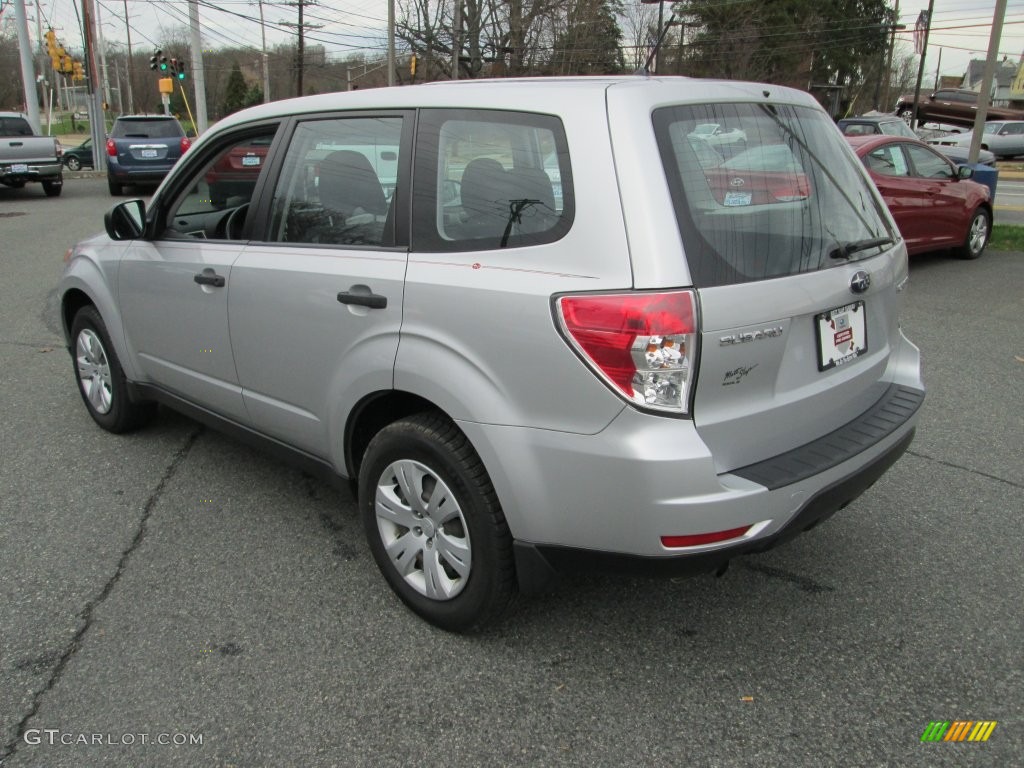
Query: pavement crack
[
  {"x": 35, "y": 344},
  {"x": 87, "y": 613},
  {"x": 978, "y": 472}
]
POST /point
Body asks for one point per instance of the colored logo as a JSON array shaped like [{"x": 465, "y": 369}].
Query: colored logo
[{"x": 958, "y": 730}]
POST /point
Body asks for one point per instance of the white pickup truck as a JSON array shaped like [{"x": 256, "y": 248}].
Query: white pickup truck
[{"x": 25, "y": 157}]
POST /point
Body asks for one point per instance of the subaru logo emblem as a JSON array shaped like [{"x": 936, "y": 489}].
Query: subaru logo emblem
[{"x": 860, "y": 282}]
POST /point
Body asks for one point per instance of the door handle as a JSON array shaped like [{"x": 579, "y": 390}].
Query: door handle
[
  {"x": 371, "y": 300},
  {"x": 209, "y": 277}
]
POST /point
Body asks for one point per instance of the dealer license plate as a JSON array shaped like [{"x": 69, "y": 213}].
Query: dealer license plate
[
  {"x": 842, "y": 335},
  {"x": 737, "y": 198}
]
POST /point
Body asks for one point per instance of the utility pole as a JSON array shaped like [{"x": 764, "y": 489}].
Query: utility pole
[
  {"x": 986, "y": 80},
  {"x": 103, "y": 57},
  {"x": 128, "y": 30},
  {"x": 456, "y": 39},
  {"x": 391, "y": 43},
  {"x": 920, "y": 67},
  {"x": 300, "y": 55},
  {"x": 198, "y": 78},
  {"x": 888, "y": 57},
  {"x": 28, "y": 75},
  {"x": 97, "y": 122},
  {"x": 266, "y": 69}
]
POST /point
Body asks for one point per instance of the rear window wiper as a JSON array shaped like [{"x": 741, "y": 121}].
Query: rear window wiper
[{"x": 846, "y": 250}]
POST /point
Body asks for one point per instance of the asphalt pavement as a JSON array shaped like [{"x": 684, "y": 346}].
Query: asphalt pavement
[{"x": 174, "y": 586}]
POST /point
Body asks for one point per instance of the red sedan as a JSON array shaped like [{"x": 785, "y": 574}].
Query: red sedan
[{"x": 934, "y": 202}]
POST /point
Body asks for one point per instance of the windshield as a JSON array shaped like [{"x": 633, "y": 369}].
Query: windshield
[{"x": 787, "y": 199}]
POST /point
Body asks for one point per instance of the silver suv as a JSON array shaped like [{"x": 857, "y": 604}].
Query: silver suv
[{"x": 536, "y": 324}]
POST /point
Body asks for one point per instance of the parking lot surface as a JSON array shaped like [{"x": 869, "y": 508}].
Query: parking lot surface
[{"x": 174, "y": 598}]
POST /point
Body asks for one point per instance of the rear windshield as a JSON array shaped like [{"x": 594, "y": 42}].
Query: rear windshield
[
  {"x": 143, "y": 128},
  {"x": 772, "y": 192},
  {"x": 14, "y": 126}
]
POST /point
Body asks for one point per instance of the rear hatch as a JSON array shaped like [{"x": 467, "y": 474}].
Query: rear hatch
[
  {"x": 796, "y": 268},
  {"x": 142, "y": 141}
]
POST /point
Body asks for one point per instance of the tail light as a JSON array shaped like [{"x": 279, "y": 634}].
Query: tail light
[
  {"x": 186, "y": 142},
  {"x": 789, "y": 188},
  {"x": 111, "y": 148},
  {"x": 642, "y": 344},
  {"x": 59, "y": 148}
]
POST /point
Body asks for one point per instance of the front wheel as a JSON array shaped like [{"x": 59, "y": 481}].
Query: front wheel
[
  {"x": 907, "y": 114},
  {"x": 977, "y": 235},
  {"x": 73, "y": 163},
  {"x": 101, "y": 381},
  {"x": 434, "y": 523}
]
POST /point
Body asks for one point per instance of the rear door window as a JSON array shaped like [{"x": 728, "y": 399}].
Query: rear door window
[
  {"x": 786, "y": 199},
  {"x": 489, "y": 179},
  {"x": 146, "y": 128}
]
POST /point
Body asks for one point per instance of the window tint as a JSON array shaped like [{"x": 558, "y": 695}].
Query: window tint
[
  {"x": 888, "y": 161},
  {"x": 338, "y": 182},
  {"x": 14, "y": 126},
  {"x": 221, "y": 186},
  {"x": 896, "y": 128},
  {"x": 929, "y": 165},
  {"x": 490, "y": 180},
  {"x": 146, "y": 128},
  {"x": 780, "y": 202}
]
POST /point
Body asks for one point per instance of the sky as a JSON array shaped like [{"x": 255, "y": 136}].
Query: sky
[{"x": 960, "y": 28}]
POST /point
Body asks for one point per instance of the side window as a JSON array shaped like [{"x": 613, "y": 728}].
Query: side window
[
  {"x": 337, "y": 185},
  {"x": 488, "y": 179},
  {"x": 929, "y": 165},
  {"x": 220, "y": 187},
  {"x": 887, "y": 161}
]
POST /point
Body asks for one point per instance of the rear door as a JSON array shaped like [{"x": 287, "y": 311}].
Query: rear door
[
  {"x": 315, "y": 305},
  {"x": 792, "y": 345}
]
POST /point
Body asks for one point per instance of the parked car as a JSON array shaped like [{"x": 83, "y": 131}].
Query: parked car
[
  {"x": 957, "y": 106},
  {"x": 141, "y": 149},
  {"x": 79, "y": 157},
  {"x": 718, "y": 136},
  {"x": 1004, "y": 138},
  {"x": 933, "y": 201},
  {"x": 869, "y": 125},
  {"x": 632, "y": 372},
  {"x": 761, "y": 175},
  {"x": 25, "y": 157},
  {"x": 960, "y": 155}
]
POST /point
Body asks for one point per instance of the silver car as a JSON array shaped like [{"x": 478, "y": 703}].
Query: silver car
[
  {"x": 1003, "y": 138},
  {"x": 664, "y": 364}
]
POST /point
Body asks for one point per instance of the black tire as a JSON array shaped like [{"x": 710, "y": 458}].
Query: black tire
[
  {"x": 906, "y": 114},
  {"x": 53, "y": 188},
  {"x": 73, "y": 163},
  {"x": 115, "y": 188},
  {"x": 105, "y": 391},
  {"x": 978, "y": 232},
  {"x": 435, "y": 458}
]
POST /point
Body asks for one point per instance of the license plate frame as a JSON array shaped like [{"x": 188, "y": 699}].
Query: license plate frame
[
  {"x": 19, "y": 168},
  {"x": 842, "y": 334},
  {"x": 149, "y": 154},
  {"x": 737, "y": 199}
]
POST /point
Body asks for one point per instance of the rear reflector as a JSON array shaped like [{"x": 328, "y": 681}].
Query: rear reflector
[{"x": 698, "y": 539}]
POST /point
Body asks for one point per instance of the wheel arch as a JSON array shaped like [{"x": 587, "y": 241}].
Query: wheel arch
[{"x": 374, "y": 412}]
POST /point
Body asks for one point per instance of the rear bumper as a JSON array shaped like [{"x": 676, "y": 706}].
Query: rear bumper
[
  {"x": 33, "y": 172},
  {"x": 608, "y": 498},
  {"x": 127, "y": 175},
  {"x": 538, "y": 565}
]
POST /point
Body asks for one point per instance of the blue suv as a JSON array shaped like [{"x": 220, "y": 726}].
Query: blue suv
[{"x": 141, "y": 149}]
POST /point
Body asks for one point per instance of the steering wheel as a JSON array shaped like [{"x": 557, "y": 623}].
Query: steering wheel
[{"x": 231, "y": 226}]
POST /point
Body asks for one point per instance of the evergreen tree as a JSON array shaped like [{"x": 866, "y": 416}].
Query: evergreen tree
[{"x": 236, "y": 91}]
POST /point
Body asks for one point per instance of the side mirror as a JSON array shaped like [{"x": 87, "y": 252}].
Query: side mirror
[
  {"x": 126, "y": 221},
  {"x": 964, "y": 172}
]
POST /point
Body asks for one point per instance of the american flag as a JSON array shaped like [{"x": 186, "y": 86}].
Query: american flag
[{"x": 920, "y": 32}]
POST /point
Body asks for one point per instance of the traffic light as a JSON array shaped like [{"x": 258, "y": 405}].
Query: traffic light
[
  {"x": 77, "y": 73},
  {"x": 163, "y": 63},
  {"x": 180, "y": 73},
  {"x": 154, "y": 60},
  {"x": 66, "y": 65}
]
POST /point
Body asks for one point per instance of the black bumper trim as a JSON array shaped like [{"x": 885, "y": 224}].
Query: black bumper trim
[
  {"x": 891, "y": 412},
  {"x": 538, "y": 565}
]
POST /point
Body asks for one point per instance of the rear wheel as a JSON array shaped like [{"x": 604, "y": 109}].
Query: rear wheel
[
  {"x": 101, "y": 381},
  {"x": 977, "y": 235},
  {"x": 114, "y": 187},
  {"x": 434, "y": 523},
  {"x": 53, "y": 188},
  {"x": 73, "y": 163}
]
